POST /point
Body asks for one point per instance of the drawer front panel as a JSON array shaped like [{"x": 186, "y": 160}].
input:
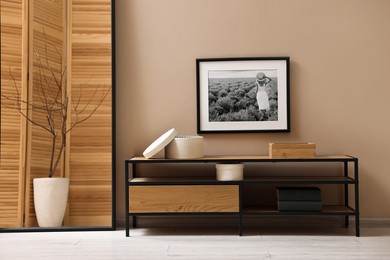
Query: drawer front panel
[{"x": 181, "y": 198}]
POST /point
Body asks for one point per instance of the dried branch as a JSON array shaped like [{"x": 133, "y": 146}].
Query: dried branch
[
  {"x": 77, "y": 113},
  {"x": 47, "y": 62},
  {"x": 29, "y": 104},
  {"x": 53, "y": 103},
  {"x": 43, "y": 99},
  {"x": 20, "y": 110},
  {"x": 89, "y": 100},
  {"x": 57, "y": 161}
]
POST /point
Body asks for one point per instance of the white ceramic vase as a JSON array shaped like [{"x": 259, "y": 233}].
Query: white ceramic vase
[{"x": 50, "y": 198}]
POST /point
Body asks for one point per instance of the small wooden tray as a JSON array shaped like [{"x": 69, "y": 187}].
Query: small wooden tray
[{"x": 292, "y": 150}]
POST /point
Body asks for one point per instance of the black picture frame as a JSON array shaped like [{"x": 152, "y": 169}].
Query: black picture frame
[{"x": 243, "y": 95}]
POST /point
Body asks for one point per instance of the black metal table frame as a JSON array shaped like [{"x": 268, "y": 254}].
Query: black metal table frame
[{"x": 354, "y": 181}]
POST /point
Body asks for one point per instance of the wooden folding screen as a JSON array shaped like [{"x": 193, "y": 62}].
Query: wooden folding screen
[
  {"x": 25, "y": 148},
  {"x": 90, "y": 202},
  {"x": 13, "y": 78},
  {"x": 47, "y": 40}
]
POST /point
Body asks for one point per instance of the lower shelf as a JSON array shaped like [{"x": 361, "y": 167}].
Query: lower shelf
[
  {"x": 326, "y": 210},
  {"x": 263, "y": 210}
]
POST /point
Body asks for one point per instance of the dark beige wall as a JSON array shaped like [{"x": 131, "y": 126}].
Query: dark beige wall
[{"x": 339, "y": 54}]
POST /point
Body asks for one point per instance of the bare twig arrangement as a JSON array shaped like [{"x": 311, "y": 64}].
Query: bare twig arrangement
[{"x": 52, "y": 99}]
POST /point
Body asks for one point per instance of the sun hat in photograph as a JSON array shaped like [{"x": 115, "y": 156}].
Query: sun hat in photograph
[
  {"x": 160, "y": 143},
  {"x": 261, "y": 77}
]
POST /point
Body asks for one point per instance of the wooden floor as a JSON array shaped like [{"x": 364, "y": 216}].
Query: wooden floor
[{"x": 200, "y": 243}]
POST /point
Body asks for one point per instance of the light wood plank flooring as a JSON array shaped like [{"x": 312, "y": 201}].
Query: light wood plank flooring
[{"x": 201, "y": 243}]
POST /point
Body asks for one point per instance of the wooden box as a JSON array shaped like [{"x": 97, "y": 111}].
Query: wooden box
[{"x": 292, "y": 150}]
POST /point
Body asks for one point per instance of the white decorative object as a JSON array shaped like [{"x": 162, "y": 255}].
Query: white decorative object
[
  {"x": 185, "y": 147},
  {"x": 160, "y": 143},
  {"x": 230, "y": 172},
  {"x": 50, "y": 198}
]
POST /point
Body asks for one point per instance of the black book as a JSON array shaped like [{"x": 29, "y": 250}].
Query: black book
[
  {"x": 299, "y": 193},
  {"x": 299, "y": 206}
]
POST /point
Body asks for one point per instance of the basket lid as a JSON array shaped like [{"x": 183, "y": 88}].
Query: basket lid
[{"x": 160, "y": 143}]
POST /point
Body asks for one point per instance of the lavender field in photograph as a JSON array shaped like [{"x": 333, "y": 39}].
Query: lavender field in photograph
[{"x": 234, "y": 99}]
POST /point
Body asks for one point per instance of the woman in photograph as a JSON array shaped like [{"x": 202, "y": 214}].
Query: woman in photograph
[{"x": 262, "y": 96}]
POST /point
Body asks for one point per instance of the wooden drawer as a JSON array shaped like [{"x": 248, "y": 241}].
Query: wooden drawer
[{"x": 184, "y": 198}]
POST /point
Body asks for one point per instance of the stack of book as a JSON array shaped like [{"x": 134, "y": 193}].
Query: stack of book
[{"x": 299, "y": 199}]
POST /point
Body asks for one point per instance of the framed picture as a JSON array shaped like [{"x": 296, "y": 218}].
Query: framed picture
[{"x": 241, "y": 95}]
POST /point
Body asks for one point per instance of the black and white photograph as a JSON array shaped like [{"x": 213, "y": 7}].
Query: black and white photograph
[
  {"x": 243, "y": 95},
  {"x": 247, "y": 95}
]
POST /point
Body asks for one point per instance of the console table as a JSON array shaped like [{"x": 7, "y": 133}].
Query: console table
[{"x": 207, "y": 196}]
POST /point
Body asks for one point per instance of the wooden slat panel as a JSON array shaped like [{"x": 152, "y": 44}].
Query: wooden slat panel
[
  {"x": 92, "y": 152},
  {"x": 82, "y": 214},
  {"x": 47, "y": 39},
  {"x": 90, "y": 199},
  {"x": 12, "y": 127},
  {"x": 194, "y": 198}
]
